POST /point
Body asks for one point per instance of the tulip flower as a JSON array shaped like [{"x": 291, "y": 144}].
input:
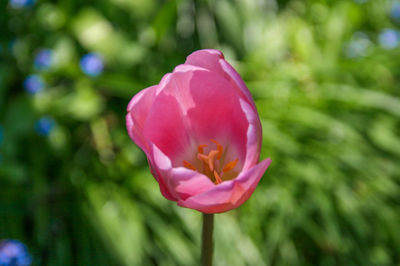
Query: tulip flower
[{"x": 201, "y": 133}]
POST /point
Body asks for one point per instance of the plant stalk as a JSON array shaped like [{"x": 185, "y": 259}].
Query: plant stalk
[{"x": 207, "y": 239}]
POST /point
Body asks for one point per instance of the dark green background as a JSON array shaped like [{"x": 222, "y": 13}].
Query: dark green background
[{"x": 327, "y": 91}]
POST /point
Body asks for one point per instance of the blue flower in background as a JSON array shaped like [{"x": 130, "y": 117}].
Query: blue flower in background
[
  {"x": 395, "y": 11},
  {"x": 21, "y": 3},
  {"x": 14, "y": 253},
  {"x": 389, "y": 39},
  {"x": 33, "y": 84},
  {"x": 43, "y": 59},
  {"x": 358, "y": 46},
  {"x": 44, "y": 125},
  {"x": 92, "y": 64}
]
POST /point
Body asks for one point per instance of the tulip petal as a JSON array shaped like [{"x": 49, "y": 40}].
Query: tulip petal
[
  {"x": 213, "y": 108},
  {"x": 214, "y": 61},
  {"x": 160, "y": 165},
  {"x": 187, "y": 183},
  {"x": 166, "y": 126},
  {"x": 235, "y": 77},
  {"x": 177, "y": 183},
  {"x": 200, "y": 102},
  {"x": 207, "y": 58},
  {"x": 230, "y": 194},
  {"x": 163, "y": 188},
  {"x": 254, "y": 135},
  {"x": 138, "y": 109}
]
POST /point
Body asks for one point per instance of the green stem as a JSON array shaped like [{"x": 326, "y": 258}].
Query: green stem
[{"x": 207, "y": 239}]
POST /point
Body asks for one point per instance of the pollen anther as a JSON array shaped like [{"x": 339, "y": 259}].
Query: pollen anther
[
  {"x": 229, "y": 166},
  {"x": 218, "y": 179},
  {"x": 201, "y": 147},
  {"x": 211, "y": 159},
  {"x": 189, "y": 165},
  {"x": 202, "y": 157},
  {"x": 219, "y": 148}
]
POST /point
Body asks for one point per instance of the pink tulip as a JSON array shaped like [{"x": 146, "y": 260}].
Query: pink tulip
[{"x": 201, "y": 134}]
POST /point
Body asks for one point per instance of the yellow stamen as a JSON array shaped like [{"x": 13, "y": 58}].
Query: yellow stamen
[
  {"x": 218, "y": 179},
  {"x": 212, "y": 164},
  {"x": 211, "y": 159},
  {"x": 229, "y": 166},
  {"x": 189, "y": 165},
  {"x": 202, "y": 157},
  {"x": 200, "y": 148},
  {"x": 219, "y": 148}
]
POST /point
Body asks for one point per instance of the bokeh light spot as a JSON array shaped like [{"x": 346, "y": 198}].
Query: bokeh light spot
[
  {"x": 33, "y": 84},
  {"x": 18, "y": 4},
  {"x": 44, "y": 125},
  {"x": 15, "y": 253},
  {"x": 43, "y": 59},
  {"x": 395, "y": 11},
  {"x": 358, "y": 46},
  {"x": 92, "y": 64},
  {"x": 389, "y": 39}
]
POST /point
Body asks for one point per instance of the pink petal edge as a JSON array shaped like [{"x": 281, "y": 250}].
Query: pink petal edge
[
  {"x": 159, "y": 165},
  {"x": 187, "y": 183},
  {"x": 230, "y": 194},
  {"x": 178, "y": 183},
  {"x": 254, "y": 135},
  {"x": 138, "y": 110},
  {"x": 214, "y": 61}
]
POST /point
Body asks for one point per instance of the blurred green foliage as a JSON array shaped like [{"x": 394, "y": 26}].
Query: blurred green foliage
[{"x": 325, "y": 77}]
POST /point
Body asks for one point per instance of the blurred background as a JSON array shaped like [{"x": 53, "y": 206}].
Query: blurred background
[{"x": 325, "y": 77}]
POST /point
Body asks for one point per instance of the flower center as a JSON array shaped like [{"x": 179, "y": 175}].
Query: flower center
[{"x": 212, "y": 164}]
